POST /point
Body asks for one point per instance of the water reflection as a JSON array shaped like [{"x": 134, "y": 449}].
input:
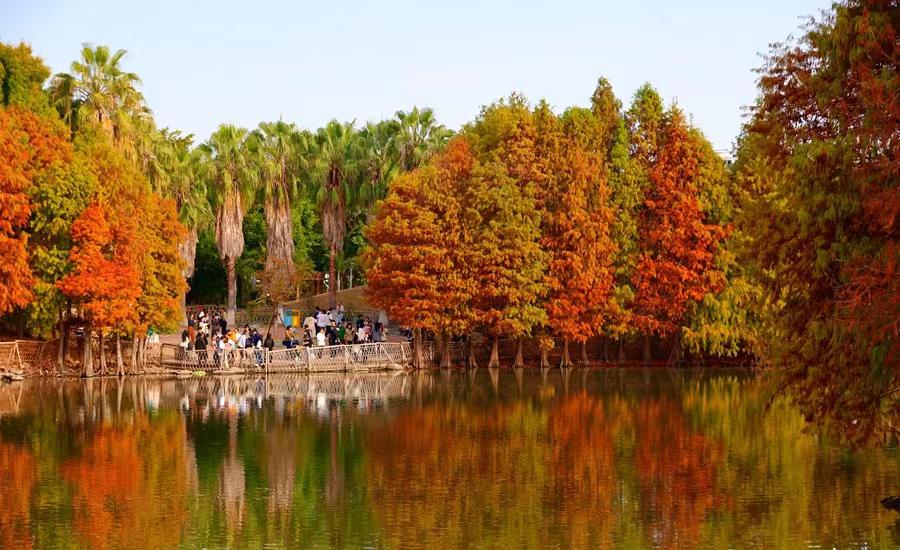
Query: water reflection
[{"x": 512, "y": 458}]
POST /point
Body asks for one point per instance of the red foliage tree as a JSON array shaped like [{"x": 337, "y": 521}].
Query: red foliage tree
[{"x": 676, "y": 264}]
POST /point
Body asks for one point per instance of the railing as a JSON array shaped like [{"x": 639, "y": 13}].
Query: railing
[
  {"x": 352, "y": 357},
  {"x": 26, "y": 355}
]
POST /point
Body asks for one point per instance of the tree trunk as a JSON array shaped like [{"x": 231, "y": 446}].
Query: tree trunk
[
  {"x": 87, "y": 358},
  {"x": 445, "y": 352},
  {"x": 648, "y": 356},
  {"x": 418, "y": 349},
  {"x": 675, "y": 354},
  {"x": 606, "y": 349},
  {"x": 140, "y": 353},
  {"x": 494, "y": 361},
  {"x": 134, "y": 349},
  {"x": 332, "y": 287},
  {"x": 566, "y": 360},
  {"x": 545, "y": 357},
  {"x": 102, "y": 352},
  {"x": 519, "y": 361},
  {"x": 232, "y": 290},
  {"x": 187, "y": 249},
  {"x": 184, "y": 316},
  {"x": 471, "y": 362},
  {"x": 584, "y": 354},
  {"x": 63, "y": 340},
  {"x": 120, "y": 365},
  {"x": 621, "y": 349},
  {"x": 279, "y": 231}
]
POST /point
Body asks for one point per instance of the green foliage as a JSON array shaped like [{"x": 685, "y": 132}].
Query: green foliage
[
  {"x": 58, "y": 198},
  {"x": 22, "y": 76}
]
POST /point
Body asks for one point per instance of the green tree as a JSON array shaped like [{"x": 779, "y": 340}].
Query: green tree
[
  {"x": 420, "y": 137},
  {"x": 819, "y": 164},
  {"x": 274, "y": 145},
  {"x": 232, "y": 185},
  {"x": 98, "y": 91},
  {"x": 333, "y": 170}
]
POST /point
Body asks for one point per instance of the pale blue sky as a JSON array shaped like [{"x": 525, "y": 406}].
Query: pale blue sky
[{"x": 204, "y": 63}]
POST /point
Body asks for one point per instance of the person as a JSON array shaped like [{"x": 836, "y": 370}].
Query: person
[
  {"x": 223, "y": 322},
  {"x": 320, "y": 337},
  {"x": 242, "y": 340},
  {"x": 341, "y": 333},
  {"x": 309, "y": 324},
  {"x": 288, "y": 341},
  {"x": 256, "y": 344},
  {"x": 307, "y": 339},
  {"x": 269, "y": 342},
  {"x": 200, "y": 345},
  {"x": 376, "y": 333},
  {"x": 340, "y": 314},
  {"x": 361, "y": 334},
  {"x": 321, "y": 319}
]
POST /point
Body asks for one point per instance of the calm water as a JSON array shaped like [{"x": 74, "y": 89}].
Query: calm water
[{"x": 584, "y": 459}]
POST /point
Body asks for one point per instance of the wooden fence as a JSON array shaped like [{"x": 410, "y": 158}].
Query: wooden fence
[
  {"x": 352, "y": 357},
  {"x": 24, "y": 356}
]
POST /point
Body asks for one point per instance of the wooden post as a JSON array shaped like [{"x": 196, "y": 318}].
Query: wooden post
[{"x": 266, "y": 358}]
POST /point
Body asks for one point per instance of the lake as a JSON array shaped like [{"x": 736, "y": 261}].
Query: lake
[{"x": 584, "y": 458}]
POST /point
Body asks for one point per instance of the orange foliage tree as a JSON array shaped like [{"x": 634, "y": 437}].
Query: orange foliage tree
[
  {"x": 29, "y": 145},
  {"x": 414, "y": 255},
  {"x": 676, "y": 263},
  {"x": 104, "y": 281},
  {"x": 576, "y": 217}
]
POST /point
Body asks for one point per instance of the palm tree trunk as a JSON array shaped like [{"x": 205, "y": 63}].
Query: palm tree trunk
[
  {"x": 332, "y": 286},
  {"x": 187, "y": 249},
  {"x": 279, "y": 233},
  {"x": 232, "y": 289}
]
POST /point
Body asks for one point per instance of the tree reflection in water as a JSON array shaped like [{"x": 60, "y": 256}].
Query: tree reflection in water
[{"x": 584, "y": 458}]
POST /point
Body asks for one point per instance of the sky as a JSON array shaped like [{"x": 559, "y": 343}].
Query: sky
[{"x": 207, "y": 63}]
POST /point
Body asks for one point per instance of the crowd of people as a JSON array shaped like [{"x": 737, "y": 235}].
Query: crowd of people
[
  {"x": 331, "y": 328},
  {"x": 210, "y": 333},
  {"x": 209, "y": 338}
]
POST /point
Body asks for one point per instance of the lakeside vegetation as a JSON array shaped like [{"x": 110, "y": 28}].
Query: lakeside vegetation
[{"x": 596, "y": 221}]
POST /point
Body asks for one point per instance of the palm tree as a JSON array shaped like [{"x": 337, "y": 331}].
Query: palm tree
[
  {"x": 379, "y": 159},
  {"x": 420, "y": 137},
  {"x": 333, "y": 169},
  {"x": 177, "y": 171},
  {"x": 274, "y": 146},
  {"x": 99, "y": 92},
  {"x": 232, "y": 182}
]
